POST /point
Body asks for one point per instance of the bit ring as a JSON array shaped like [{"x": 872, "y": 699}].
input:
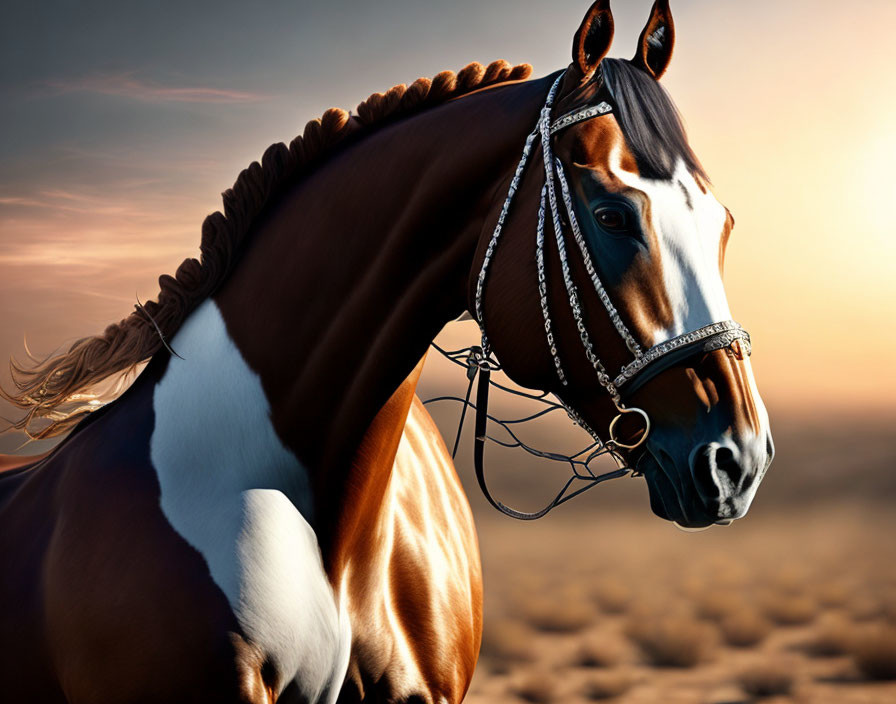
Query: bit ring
[{"x": 622, "y": 411}]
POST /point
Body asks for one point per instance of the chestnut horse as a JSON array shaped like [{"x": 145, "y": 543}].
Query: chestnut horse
[{"x": 268, "y": 513}]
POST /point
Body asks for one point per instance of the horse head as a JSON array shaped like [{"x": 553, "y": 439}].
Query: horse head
[{"x": 618, "y": 306}]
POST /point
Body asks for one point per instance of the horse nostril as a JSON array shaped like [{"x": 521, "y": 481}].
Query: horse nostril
[
  {"x": 726, "y": 462},
  {"x": 717, "y": 473}
]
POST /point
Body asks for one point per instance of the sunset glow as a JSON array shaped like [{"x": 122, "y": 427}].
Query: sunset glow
[{"x": 110, "y": 164}]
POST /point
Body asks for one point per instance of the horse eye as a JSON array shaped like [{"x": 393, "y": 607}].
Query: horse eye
[{"x": 612, "y": 219}]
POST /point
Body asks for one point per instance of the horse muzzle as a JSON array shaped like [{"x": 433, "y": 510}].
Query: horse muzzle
[{"x": 714, "y": 483}]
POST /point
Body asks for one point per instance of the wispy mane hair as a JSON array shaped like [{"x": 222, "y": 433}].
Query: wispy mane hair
[{"x": 649, "y": 120}]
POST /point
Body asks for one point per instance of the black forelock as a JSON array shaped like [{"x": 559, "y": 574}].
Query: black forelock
[{"x": 649, "y": 120}]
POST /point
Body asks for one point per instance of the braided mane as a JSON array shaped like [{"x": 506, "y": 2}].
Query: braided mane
[{"x": 55, "y": 389}]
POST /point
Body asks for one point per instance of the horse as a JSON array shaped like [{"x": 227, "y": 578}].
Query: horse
[{"x": 268, "y": 513}]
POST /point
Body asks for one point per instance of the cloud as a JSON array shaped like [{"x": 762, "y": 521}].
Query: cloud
[
  {"x": 58, "y": 201},
  {"x": 16, "y": 200},
  {"x": 126, "y": 85},
  {"x": 86, "y": 230}
]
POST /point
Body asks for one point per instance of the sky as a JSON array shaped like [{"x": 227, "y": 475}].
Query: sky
[{"x": 122, "y": 122}]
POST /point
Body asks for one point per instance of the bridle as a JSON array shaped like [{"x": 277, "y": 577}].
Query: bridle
[{"x": 645, "y": 364}]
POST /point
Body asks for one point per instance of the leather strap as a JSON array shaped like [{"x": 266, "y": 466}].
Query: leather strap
[{"x": 479, "y": 452}]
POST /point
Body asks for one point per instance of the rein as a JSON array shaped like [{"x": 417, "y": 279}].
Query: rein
[
  {"x": 582, "y": 478},
  {"x": 633, "y": 375}
]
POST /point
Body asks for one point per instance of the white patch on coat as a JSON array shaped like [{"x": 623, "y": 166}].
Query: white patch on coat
[
  {"x": 689, "y": 238},
  {"x": 242, "y": 499}
]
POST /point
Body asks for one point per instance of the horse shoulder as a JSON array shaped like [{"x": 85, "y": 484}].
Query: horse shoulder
[
  {"x": 417, "y": 601},
  {"x": 436, "y": 558}
]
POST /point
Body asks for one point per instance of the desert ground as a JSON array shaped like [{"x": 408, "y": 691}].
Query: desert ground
[
  {"x": 602, "y": 600},
  {"x": 799, "y": 606}
]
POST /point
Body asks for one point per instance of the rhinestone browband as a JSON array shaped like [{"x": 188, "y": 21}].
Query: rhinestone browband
[{"x": 571, "y": 118}]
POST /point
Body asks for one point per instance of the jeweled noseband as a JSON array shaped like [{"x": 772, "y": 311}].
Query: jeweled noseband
[{"x": 644, "y": 365}]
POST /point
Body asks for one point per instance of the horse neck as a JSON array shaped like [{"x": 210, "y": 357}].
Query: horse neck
[{"x": 348, "y": 279}]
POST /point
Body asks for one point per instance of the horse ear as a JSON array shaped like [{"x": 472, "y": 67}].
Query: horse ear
[
  {"x": 656, "y": 41},
  {"x": 593, "y": 39}
]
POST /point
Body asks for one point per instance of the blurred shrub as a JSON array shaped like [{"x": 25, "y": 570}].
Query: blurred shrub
[
  {"x": 874, "y": 652},
  {"x": 606, "y": 685},
  {"x": 744, "y": 628},
  {"x": 598, "y": 651},
  {"x": 505, "y": 642},
  {"x": 671, "y": 641},
  {"x": 787, "y": 609},
  {"x": 538, "y": 688},
  {"x": 832, "y": 636},
  {"x": 790, "y": 578},
  {"x": 716, "y": 605},
  {"x": 767, "y": 679},
  {"x": 833, "y": 594},
  {"x": 612, "y": 596},
  {"x": 557, "y": 616}
]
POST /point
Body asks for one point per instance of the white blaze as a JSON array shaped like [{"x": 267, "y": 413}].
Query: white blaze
[{"x": 688, "y": 224}]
